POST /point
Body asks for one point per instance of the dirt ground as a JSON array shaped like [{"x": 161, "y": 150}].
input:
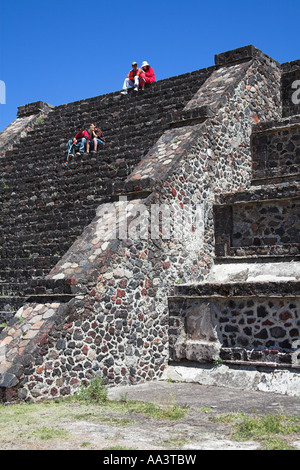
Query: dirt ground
[{"x": 84, "y": 427}]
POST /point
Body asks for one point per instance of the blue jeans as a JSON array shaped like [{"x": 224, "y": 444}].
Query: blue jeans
[
  {"x": 80, "y": 143},
  {"x": 99, "y": 142}
]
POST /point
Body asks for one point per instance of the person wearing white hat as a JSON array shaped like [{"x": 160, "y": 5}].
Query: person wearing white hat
[
  {"x": 132, "y": 79},
  {"x": 147, "y": 75}
]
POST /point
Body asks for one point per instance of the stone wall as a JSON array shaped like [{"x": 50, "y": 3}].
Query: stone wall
[
  {"x": 45, "y": 206},
  {"x": 117, "y": 321},
  {"x": 247, "y": 310},
  {"x": 276, "y": 225},
  {"x": 104, "y": 306},
  {"x": 27, "y": 119},
  {"x": 261, "y": 228},
  {"x": 239, "y": 328},
  {"x": 275, "y": 150}
]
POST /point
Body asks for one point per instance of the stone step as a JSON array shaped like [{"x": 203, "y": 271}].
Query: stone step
[
  {"x": 47, "y": 249},
  {"x": 35, "y": 287},
  {"x": 45, "y": 204},
  {"x": 22, "y": 275},
  {"x": 290, "y": 288},
  {"x": 12, "y": 289},
  {"x": 32, "y": 261},
  {"x": 19, "y": 239},
  {"x": 88, "y": 176},
  {"x": 269, "y": 249},
  {"x": 44, "y": 223},
  {"x": 254, "y": 271}
]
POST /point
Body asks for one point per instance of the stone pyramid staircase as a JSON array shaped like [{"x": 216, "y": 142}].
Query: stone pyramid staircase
[
  {"x": 45, "y": 206},
  {"x": 247, "y": 311},
  {"x": 113, "y": 306}
]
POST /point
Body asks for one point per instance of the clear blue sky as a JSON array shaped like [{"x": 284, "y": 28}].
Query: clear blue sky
[{"x": 60, "y": 51}]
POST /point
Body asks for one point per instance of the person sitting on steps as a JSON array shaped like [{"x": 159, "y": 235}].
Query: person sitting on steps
[
  {"x": 132, "y": 79},
  {"x": 147, "y": 75},
  {"x": 79, "y": 142},
  {"x": 96, "y": 138}
]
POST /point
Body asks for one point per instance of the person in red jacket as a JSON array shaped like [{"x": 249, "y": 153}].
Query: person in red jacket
[
  {"x": 132, "y": 79},
  {"x": 79, "y": 140},
  {"x": 147, "y": 75}
]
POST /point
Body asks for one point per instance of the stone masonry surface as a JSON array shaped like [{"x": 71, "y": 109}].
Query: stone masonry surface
[
  {"x": 247, "y": 321},
  {"x": 264, "y": 330},
  {"x": 45, "y": 206},
  {"x": 103, "y": 307},
  {"x": 276, "y": 151}
]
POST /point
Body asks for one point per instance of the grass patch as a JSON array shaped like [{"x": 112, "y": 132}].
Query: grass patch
[
  {"x": 96, "y": 392},
  {"x": 105, "y": 415},
  {"x": 131, "y": 407},
  {"x": 273, "y": 443},
  {"x": 175, "y": 443},
  {"x": 28, "y": 424},
  {"x": 205, "y": 409},
  {"x": 152, "y": 410},
  {"x": 119, "y": 448},
  {"x": 45, "y": 433},
  {"x": 85, "y": 444},
  {"x": 256, "y": 426},
  {"x": 273, "y": 431}
]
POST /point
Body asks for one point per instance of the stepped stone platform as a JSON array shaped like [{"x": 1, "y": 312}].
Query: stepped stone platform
[
  {"x": 45, "y": 206},
  {"x": 247, "y": 309},
  {"x": 160, "y": 248}
]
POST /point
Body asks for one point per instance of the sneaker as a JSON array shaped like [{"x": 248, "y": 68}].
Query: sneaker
[
  {"x": 78, "y": 154},
  {"x": 124, "y": 92},
  {"x": 93, "y": 151},
  {"x": 136, "y": 89}
]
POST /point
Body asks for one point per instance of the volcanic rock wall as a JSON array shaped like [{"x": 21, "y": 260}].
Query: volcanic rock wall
[
  {"x": 106, "y": 305},
  {"x": 247, "y": 310}
]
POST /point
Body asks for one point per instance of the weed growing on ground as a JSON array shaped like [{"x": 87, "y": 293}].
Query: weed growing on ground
[
  {"x": 255, "y": 426},
  {"x": 171, "y": 412},
  {"x": 45, "y": 433},
  {"x": 175, "y": 443},
  {"x": 119, "y": 448},
  {"x": 272, "y": 431},
  {"x": 205, "y": 409},
  {"x": 94, "y": 392},
  {"x": 85, "y": 444}
]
